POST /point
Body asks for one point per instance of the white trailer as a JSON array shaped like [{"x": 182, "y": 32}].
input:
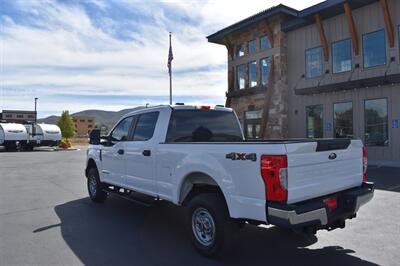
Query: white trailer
[
  {"x": 42, "y": 135},
  {"x": 13, "y": 135}
]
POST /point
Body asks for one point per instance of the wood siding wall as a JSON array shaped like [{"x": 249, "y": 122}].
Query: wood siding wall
[{"x": 367, "y": 19}]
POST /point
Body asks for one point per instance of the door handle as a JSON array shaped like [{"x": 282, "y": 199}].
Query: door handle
[
  {"x": 146, "y": 153},
  {"x": 120, "y": 151}
]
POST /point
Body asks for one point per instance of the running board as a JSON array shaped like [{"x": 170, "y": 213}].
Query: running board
[{"x": 132, "y": 196}]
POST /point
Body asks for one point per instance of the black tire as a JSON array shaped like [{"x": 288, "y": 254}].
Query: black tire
[
  {"x": 95, "y": 187},
  {"x": 211, "y": 207},
  {"x": 28, "y": 148},
  {"x": 10, "y": 147}
]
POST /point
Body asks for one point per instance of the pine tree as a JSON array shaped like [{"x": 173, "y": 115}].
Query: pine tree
[{"x": 66, "y": 125}]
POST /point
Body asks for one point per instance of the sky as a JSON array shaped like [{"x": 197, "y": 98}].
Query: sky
[{"x": 112, "y": 54}]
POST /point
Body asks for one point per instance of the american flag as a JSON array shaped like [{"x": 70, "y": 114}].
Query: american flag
[{"x": 170, "y": 55}]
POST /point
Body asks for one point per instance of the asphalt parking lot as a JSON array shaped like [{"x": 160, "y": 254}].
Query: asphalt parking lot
[{"x": 46, "y": 218}]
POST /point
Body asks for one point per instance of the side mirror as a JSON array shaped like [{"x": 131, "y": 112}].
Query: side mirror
[{"x": 94, "y": 136}]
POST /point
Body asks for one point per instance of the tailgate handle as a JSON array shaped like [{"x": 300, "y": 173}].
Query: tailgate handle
[{"x": 146, "y": 153}]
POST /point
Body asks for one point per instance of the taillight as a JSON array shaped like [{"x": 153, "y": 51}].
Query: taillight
[
  {"x": 205, "y": 107},
  {"x": 365, "y": 163},
  {"x": 274, "y": 174}
]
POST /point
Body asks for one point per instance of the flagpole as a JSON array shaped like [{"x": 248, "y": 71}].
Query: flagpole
[{"x": 170, "y": 74}]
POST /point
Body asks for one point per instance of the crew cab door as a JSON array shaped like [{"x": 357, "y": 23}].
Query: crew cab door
[
  {"x": 113, "y": 153},
  {"x": 140, "y": 155}
]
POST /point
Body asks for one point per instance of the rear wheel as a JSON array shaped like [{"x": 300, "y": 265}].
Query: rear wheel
[
  {"x": 10, "y": 146},
  {"x": 95, "y": 187},
  {"x": 211, "y": 229}
]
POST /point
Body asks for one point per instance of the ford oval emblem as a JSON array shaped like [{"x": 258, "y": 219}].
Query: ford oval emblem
[{"x": 332, "y": 156}]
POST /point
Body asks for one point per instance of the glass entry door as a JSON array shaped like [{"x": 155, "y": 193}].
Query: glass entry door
[{"x": 252, "y": 125}]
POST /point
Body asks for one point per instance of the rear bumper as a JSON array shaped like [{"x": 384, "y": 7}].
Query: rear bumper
[{"x": 315, "y": 213}]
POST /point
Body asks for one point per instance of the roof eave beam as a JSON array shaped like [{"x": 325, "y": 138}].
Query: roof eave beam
[
  {"x": 388, "y": 22},
  {"x": 322, "y": 37},
  {"x": 352, "y": 28}
]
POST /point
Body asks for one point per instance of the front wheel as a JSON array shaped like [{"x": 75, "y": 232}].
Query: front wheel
[
  {"x": 95, "y": 188},
  {"x": 211, "y": 229}
]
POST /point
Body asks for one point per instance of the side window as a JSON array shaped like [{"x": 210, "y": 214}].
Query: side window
[
  {"x": 240, "y": 50},
  {"x": 145, "y": 126},
  {"x": 343, "y": 120},
  {"x": 264, "y": 43},
  {"x": 252, "y": 46},
  {"x": 376, "y": 122},
  {"x": 341, "y": 56},
  {"x": 121, "y": 131},
  {"x": 314, "y": 62},
  {"x": 374, "y": 49},
  {"x": 265, "y": 66},
  {"x": 314, "y": 121},
  {"x": 240, "y": 77}
]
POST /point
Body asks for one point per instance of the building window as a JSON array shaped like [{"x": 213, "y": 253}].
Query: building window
[
  {"x": 8, "y": 115},
  {"x": 31, "y": 116},
  {"x": 264, "y": 43},
  {"x": 20, "y": 116},
  {"x": 240, "y": 76},
  {"x": 240, "y": 50},
  {"x": 253, "y": 74},
  {"x": 376, "y": 123},
  {"x": 374, "y": 49},
  {"x": 315, "y": 123},
  {"x": 253, "y": 124},
  {"x": 252, "y": 47},
  {"x": 343, "y": 120},
  {"x": 265, "y": 66},
  {"x": 314, "y": 62},
  {"x": 81, "y": 120},
  {"x": 90, "y": 121},
  {"x": 341, "y": 56}
]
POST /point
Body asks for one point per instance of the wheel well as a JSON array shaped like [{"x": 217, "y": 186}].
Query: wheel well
[
  {"x": 91, "y": 164},
  {"x": 197, "y": 183}
]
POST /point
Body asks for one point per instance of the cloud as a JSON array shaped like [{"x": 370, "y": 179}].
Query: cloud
[{"x": 96, "y": 48}]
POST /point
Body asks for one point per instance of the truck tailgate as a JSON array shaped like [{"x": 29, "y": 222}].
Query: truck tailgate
[{"x": 323, "y": 167}]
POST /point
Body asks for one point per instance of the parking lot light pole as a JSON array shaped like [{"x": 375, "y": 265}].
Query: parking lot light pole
[{"x": 36, "y": 109}]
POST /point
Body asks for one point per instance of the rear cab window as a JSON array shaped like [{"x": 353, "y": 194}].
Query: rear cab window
[
  {"x": 145, "y": 126},
  {"x": 203, "y": 126}
]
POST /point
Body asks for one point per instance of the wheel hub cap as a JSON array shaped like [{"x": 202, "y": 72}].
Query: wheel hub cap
[
  {"x": 203, "y": 226},
  {"x": 92, "y": 186}
]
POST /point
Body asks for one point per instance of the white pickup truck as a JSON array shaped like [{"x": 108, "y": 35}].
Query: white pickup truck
[{"x": 197, "y": 157}]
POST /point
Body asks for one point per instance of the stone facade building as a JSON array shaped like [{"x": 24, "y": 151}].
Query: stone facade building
[{"x": 331, "y": 70}]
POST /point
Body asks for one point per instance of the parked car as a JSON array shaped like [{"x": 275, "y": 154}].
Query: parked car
[
  {"x": 12, "y": 136},
  {"x": 197, "y": 157}
]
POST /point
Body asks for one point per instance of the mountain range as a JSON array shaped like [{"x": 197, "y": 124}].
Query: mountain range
[{"x": 108, "y": 118}]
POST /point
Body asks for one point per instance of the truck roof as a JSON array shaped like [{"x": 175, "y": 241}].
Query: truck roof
[{"x": 179, "y": 107}]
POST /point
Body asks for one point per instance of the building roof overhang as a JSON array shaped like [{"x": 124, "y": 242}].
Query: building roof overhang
[
  {"x": 297, "y": 19},
  {"x": 326, "y": 9},
  {"x": 218, "y": 37}
]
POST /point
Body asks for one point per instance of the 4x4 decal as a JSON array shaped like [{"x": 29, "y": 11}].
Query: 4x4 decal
[{"x": 241, "y": 156}]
